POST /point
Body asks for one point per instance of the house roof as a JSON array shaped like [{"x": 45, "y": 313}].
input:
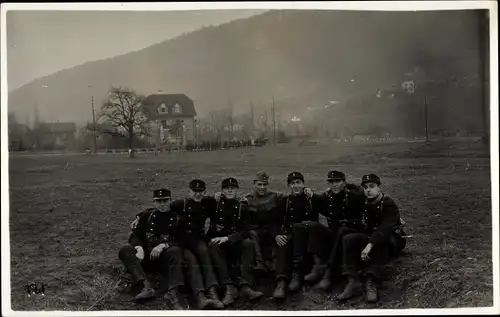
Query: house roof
[
  {"x": 152, "y": 102},
  {"x": 58, "y": 127}
]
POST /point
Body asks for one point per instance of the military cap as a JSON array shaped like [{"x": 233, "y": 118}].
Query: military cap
[
  {"x": 370, "y": 178},
  {"x": 261, "y": 177},
  {"x": 161, "y": 193},
  {"x": 335, "y": 175},
  {"x": 230, "y": 181},
  {"x": 294, "y": 175},
  {"x": 197, "y": 185}
]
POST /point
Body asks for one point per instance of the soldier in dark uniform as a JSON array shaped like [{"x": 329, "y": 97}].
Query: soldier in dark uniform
[
  {"x": 380, "y": 219},
  {"x": 194, "y": 211},
  {"x": 154, "y": 245},
  {"x": 262, "y": 205},
  {"x": 342, "y": 205},
  {"x": 293, "y": 218},
  {"x": 229, "y": 244}
]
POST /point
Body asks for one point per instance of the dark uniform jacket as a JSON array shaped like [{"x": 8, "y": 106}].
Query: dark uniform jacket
[
  {"x": 229, "y": 219},
  {"x": 343, "y": 209},
  {"x": 261, "y": 209},
  {"x": 156, "y": 227},
  {"x": 193, "y": 215},
  {"x": 293, "y": 209},
  {"x": 381, "y": 219}
]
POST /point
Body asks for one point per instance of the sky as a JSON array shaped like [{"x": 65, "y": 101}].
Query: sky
[{"x": 40, "y": 43}]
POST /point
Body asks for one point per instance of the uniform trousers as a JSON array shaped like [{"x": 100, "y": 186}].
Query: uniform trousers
[
  {"x": 233, "y": 263},
  {"x": 169, "y": 264},
  {"x": 353, "y": 244},
  {"x": 263, "y": 244},
  {"x": 200, "y": 249},
  {"x": 327, "y": 243},
  {"x": 284, "y": 256}
]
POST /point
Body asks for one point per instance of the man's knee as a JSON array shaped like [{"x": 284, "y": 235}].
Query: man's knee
[
  {"x": 350, "y": 239},
  {"x": 201, "y": 248},
  {"x": 247, "y": 244},
  {"x": 173, "y": 252},
  {"x": 126, "y": 251}
]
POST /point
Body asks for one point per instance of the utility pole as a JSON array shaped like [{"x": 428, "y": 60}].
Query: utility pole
[
  {"x": 425, "y": 114},
  {"x": 93, "y": 118},
  {"x": 274, "y": 122}
]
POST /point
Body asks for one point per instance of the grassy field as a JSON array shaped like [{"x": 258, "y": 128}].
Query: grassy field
[{"x": 70, "y": 214}]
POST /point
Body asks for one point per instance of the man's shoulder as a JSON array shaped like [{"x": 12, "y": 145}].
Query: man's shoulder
[
  {"x": 389, "y": 201},
  {"x": 146, "y": 212},
  {"x": 355, "y": 190}
]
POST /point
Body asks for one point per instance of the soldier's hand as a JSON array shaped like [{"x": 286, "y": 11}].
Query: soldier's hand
[
  {"x": 281, "y": 240},
  {"x": 366, "y": 251},
  {"x": 309, "y": 193},
  {"x": 140, "y": 252},
  {"x": 155, "y": 253},
  {"x": 219, "y": 240},
  {"x": 217, "y": 196},
  {"x": 134, "y": 223}
]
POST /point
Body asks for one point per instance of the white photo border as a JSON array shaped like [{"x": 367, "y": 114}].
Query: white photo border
[{"x": 303, "y": 5}]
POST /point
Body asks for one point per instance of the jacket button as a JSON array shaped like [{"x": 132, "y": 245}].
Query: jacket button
[{"x": 152, "y": 223}]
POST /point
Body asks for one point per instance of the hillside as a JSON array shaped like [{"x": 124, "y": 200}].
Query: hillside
[{"x": 302, "y": 57}]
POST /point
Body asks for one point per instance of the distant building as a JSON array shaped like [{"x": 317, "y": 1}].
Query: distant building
[
  {"x": 18, "y": 136},
  {"x": 57, "y": 134},
  {"x": 172, "y": 118}
]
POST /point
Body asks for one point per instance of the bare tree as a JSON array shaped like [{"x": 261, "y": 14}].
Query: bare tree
[
  {"x": 123, "y": 111},
  {"x": 219, "y": 120},
  {"x": 264, "y": 122}
]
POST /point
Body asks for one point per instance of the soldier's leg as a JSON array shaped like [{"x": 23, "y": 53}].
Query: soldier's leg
[
  {"x": 203, "y": 256},
  {"x": 378, "y": 258},
  {"x": 259, "y": 259},
  {"x": 335, "y": 257},
  {"x": 219, "y": 262},
  {"x": 132, "y": 264},
  {"x": 300, "y": 233},
  {"x": 319, "y": 245},
  {"x": 352, "y": 244},
  {"x": 284, "y": 256},
  {"x": 169, "y": 265},
  {"x": 246, "y": 255},
  {"x": 336, "y": 254},
  {"x": 222, "y": 265},
  {"x": 195, "y": 280},
  {"x": 138, "y": 276}
]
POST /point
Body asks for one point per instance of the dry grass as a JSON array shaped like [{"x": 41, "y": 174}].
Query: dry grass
[{"x": 70, "y": 215}]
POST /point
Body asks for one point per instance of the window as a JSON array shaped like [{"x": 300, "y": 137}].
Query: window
[
  {"x": 177, "y": 108},
  {"x": 163, "y": 108},
  {"x": 164, "y": 124}
]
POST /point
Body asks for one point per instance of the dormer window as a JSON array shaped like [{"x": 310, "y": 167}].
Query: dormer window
[
  {"x": 177, "y": 108},
  {"x": 163, "y": 109}
]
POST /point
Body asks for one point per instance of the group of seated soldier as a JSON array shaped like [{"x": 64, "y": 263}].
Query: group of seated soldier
[{"x": 215, "y": 245}]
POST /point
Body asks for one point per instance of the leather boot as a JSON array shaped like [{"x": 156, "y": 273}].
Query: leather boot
[
  {"x": 147, "y": 291},
  {"x": 349, "y": 289},
  {"x": 317, "y": 272},
  {"x": 371, "y": 290},
  {"x": 172, "y": 296},
  {"x": 203, "y": 302},
  {"x": 279, "y": 292},
  {"x": 326, "y": 281},
  {"x": 214, "y": 296},
  {"x": 250, "y": 294},
  {"x": 295, "y": 282},
  {"x": 230, "y": 296}
]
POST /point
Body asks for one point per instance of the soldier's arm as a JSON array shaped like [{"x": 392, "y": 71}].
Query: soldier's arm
[
  {"x": 278, "y": 218},
  {"x": 389, "y": 221},
  {"x": 138, "y": 235}
]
